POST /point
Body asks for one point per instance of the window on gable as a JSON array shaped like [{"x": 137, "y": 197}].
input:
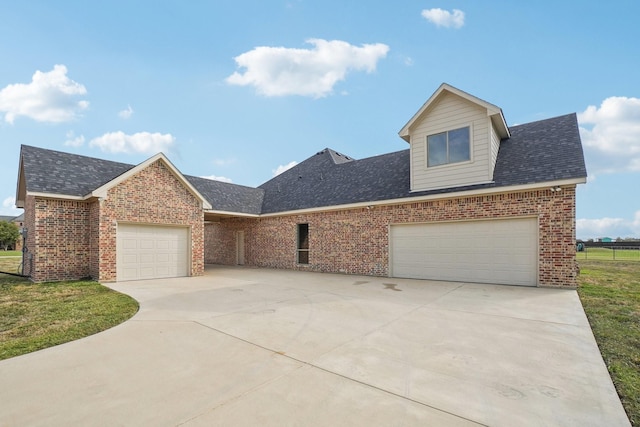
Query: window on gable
[
  {"x": 453, "y": 146},
  {"x": 303, "y": 243}
]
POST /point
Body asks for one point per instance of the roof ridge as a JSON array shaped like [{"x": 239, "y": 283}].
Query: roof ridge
[{"x": 544, "y": 120}]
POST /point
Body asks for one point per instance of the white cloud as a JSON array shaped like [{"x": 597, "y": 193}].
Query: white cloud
[
  {"x": 283, "y": 168},
  {"x": 217, "y": 178},
  {"x": 141, "y": 142},
  {"x": 280, "y": 71},
  {"x": 9, "y": 207},
  {"x": 444, "y": 18},
  {"x": 50, "y": 97},
  {"x": 9, "y": 202},
  {"x": 608, "y": 227},
  {"x": 73, "y": 140},
  {"x": 611, "y": 135},
  {"x": 126, "y": 113}
]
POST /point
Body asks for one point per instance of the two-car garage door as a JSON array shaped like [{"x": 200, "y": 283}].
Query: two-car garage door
[
  {"x": 151, "y": 252},
  {"x": 492, "y": 251}
]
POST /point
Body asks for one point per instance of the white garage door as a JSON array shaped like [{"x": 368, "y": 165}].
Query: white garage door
[
  {"x": 151, "y": 252},
  {"x": 494, "y": 251}
]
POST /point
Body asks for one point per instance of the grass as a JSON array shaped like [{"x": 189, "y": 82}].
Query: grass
[
  {"x": 34, "y": 316},
  {"x": 609, "y": 254},
  {"x": 10, "y": 264},
  {"x": 610, "y": 294},
  {"x": 10, "y": 253}
]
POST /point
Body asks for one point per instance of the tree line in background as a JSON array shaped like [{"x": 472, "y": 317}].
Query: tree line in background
[{"x": 9, "y": 235}]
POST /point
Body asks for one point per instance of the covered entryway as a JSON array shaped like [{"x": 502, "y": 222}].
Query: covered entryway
[
  {"x": 491, "y": 251},
  {"x": 152, "y": 252}
]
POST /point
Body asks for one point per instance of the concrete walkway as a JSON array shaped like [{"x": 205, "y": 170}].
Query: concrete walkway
[{"x": 243, "y": 347}]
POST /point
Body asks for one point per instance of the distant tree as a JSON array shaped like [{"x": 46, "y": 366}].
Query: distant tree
[
  {"x": 9, "y": 234},
  {"x": 619, "y": 239},
  {"x": 590, "y": 240}
]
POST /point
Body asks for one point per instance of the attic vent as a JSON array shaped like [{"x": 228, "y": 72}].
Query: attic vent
[
  {"x": 338, "y": 154},
  {"x": 347, "y": 157}
]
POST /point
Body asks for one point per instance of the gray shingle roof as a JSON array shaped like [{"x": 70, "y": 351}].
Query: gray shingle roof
[
  {"x": 320, "y": 181},
  {"x": 49, "y": 171},
  {"x": 55, "y": 172},
  {"x": 541, "y": 151},
  {"x": 537, "y": 152},
  {"x": 228, "y": 197}
]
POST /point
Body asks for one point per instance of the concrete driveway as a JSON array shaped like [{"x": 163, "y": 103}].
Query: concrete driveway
[{"x": 244, "y": 346}]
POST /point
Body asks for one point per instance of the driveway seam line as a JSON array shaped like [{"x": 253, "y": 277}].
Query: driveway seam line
[{"x": 279, "y": 353}]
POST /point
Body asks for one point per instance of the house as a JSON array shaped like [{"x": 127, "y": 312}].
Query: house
[
  {"x": 470, "y": 199},
  {"x": 19, "y": 222}
]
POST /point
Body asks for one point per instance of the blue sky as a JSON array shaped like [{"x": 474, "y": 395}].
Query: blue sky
[{"x": 238, "y": 90}]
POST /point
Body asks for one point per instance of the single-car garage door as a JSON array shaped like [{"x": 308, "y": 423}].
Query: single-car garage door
[
  {"x": 151, "y": 252},
  {"x": 492, "y": 251}
]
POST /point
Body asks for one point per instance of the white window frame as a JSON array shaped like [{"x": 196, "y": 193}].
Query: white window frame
[{"x": 446, "y": 131}]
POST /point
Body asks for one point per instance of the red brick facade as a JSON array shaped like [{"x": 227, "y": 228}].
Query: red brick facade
[
  {"x": 77, "y": 239},
  {"x": 58, "y": 246},
  {"x": 356, "y": 241}
]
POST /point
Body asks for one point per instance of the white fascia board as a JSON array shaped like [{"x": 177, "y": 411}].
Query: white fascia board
[
  {"x": 441, "y": 196},
  {"x": 57, "y": 196},
  {"x": 231, "y": 214},
  {"x": 101, "y": 192}
]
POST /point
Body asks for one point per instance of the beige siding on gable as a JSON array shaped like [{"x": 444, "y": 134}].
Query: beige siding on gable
[
  {"x": 451, "y": 112},
  {"x": 495, "y": 146}
]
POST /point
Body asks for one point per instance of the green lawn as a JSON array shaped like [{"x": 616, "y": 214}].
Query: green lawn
[
  {"x": 10, "y": 253},
  {"x": 36, "y": 316},
  {"x": 609, "y": 254},
  {"x": 610, "y": 294}
]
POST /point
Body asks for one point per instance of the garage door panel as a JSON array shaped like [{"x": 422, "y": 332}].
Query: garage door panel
[
  {"x": 492, "y": 251},
  {"x": 147, "y": 252}
]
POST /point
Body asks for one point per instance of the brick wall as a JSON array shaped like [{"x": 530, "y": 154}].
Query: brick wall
[
  {"x": 152, "y": 196},
  {"x": 220, "y": 244},
  {"x": 74, "y": 239},
  {"x": 356, "y": 241},
  {"x": 58, "y": 239}
]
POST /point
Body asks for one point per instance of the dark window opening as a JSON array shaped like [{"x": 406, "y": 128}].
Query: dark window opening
[{"x": 303, "y": 243}]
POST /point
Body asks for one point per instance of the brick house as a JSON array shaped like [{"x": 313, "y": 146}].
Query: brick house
[{"x": 471, "y": 199}]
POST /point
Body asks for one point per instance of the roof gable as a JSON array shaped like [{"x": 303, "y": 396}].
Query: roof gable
[
  {"x": 493, "y": 111},
  {"x": 102, "y": 190},
  {"x": 73, "y": 176},
  {"x": 538, "y": 153}
]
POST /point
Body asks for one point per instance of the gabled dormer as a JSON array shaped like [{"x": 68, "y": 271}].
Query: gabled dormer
[{"x": 454, "y": 140}]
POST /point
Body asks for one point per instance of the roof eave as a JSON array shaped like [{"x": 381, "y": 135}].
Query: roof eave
[
  {"x": 428, "y": 197},
  {"x": 230, "y": 213},
  {"x": 492, "y": 110}
]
